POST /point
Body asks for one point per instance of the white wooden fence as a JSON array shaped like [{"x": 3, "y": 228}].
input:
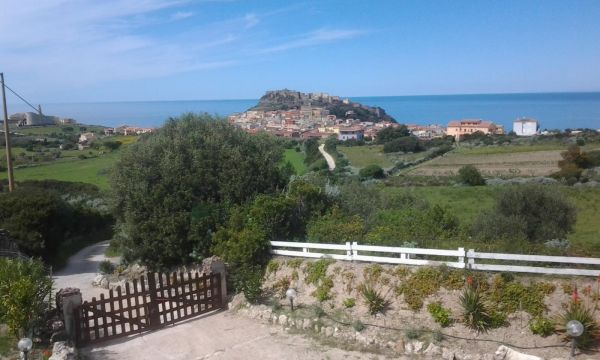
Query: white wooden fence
[{"x": 461, "y": 259}]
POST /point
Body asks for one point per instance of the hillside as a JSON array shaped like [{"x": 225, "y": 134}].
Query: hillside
[{"x": 290, "y": 99}]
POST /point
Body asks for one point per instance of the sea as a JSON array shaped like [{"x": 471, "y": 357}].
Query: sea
[{"x": 552, "y": 110}]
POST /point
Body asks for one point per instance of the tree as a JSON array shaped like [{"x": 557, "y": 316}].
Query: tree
[
  {"x": 539, "y": 213},
  {"x": 24, "y": 286},
  {"x": 404, "y": 144},
  {"x": 470, "y": 175},
  {"x": 37, "y": 219},
  {"x": 335, "y": 228},
  {"x": 371, "y": 171},
  {"x": 392, "y": 133},
  {"x": 194, "y": 162}
]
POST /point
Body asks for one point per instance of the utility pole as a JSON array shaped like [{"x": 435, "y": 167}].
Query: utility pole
[{"x": 11, "y": 180}]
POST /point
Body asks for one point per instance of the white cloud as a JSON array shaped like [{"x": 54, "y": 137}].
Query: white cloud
[
  {"x": 251, "y": 20},
  {"x": 314, "y": 38},
  {"x": 66, "y": 45},
  {"x": 180, "y": 15}
]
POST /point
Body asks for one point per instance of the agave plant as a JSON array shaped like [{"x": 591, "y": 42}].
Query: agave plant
[
  {"x": 373, "y": 298},
  {"x": 475, "y": 312}
]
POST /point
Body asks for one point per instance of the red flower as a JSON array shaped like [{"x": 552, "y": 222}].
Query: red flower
[
  {"x": 575, "y": 296},
  {"x": 470, "y": 280}
]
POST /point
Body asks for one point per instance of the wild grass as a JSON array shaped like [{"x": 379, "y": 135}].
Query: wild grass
[
  {"x": 296, "y": 158},
  {"x": 92, "y": 171}
]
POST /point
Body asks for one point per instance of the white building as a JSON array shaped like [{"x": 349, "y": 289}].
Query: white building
[{"x": 526, "y": 127}]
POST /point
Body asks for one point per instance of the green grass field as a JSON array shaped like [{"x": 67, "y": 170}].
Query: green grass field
[
  {"x": 361, "y": 156},
  {"x": 93, "y": 171},
  {"x": 468, "y": 202},
  {"x": 47, "y": 130},
  {"x": 296, "y": 158}
]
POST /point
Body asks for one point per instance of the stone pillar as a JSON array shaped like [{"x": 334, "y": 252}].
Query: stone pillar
[
  {"x": 215, "y": 265},
  {"x": 69, "y": 299}
]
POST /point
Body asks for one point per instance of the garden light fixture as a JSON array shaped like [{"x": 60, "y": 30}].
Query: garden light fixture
[
  {"x": 291, "y": 294},
  {"x": 574, "y": 330},
  {"x": 25, "y": 345}
]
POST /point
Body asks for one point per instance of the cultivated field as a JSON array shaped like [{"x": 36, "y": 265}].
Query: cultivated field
[
  {"x": 530, "y": 163},
  {"x": 361, "y": 156}
]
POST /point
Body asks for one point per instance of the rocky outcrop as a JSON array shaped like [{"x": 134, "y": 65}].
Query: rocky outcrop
[{"x": 341, "y": 108}]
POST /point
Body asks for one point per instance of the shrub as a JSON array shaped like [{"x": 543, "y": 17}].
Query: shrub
[
  {"x": 272, "y": 267},
  {"x": 470, "y": 175},
  {"x": 439, "y": 314},
  {"x": 294, "y": 263},
  {"x": 475, "y": 313},
  {"x": 404, "y": 144},
  {"x": 249, "y": 281},
  {"x": 246, "y": 247},
  {"x": 25, "y": 287},
  {"x": 373, "y": 299},
  {"x": 541, "y": 213},
  {"x": 106, "y": 267},
  {"x": 541, "y": 326},
  {"x": 371, "y": 171},
  {"x": 422, "y": 283},
  {"x": 412, "y": 334},
  {"x": 321, "y": 293},
  {"x": 316, "y": 270},
  {"x": 578, "y": 311},
  {"x": 335, "y": 227},
  {"x": 349, "y": 303},
  {"x": 514, "y": 296},
  {"x": 358, "y": 326}
]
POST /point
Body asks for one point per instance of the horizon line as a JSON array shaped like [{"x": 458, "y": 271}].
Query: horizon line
[{"x": 345, "y": 96}]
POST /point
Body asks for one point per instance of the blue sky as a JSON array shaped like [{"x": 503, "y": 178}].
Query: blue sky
[{"x": 90, "y": 50}]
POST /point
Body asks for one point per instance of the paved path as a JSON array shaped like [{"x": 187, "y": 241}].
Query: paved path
[
  {"x": 81, "y": 270},
  {"x": 221, "y": 335},
  {"x": 328, "y": 158}
]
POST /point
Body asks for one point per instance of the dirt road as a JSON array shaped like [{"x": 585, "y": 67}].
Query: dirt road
[{"x": 328, "y": 158}]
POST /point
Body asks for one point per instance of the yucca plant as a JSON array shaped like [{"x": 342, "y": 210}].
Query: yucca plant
[
  {"x": 373, "y": 298},
  {"x": 475, "y": 312},
  {"x": 576, "y": 310}
]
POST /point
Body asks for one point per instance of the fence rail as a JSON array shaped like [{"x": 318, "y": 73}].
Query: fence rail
[{"x": 459, "y": 258}]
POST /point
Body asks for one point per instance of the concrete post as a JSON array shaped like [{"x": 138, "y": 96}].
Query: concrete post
[
  {"x": 215, "y": 265},
  {"x": 69, "y": 299}
]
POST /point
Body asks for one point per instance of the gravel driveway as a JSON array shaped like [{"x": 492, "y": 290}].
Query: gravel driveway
[{"x": 221, "y": 335}]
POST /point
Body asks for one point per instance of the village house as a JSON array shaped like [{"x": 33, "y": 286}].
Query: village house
[
  {"x": 427, "y": 131},
  {"x": 351, "y": 133},
  {"x": 470, "y": 126},
  {"x": 526, "y": 127}
]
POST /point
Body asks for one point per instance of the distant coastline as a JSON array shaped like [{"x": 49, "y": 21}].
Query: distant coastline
[{"x": 553, "y": 110}]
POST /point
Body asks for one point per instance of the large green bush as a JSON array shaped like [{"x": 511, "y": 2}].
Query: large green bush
[
  {"x": 545, "y": 212},
  {"x": 470, "y": 175},
  {"x": 371, "y": 171},
  {"x": 335, "y": 228},
  {"x": 192, "y": 162},
  {"x": 24, "y": 290}
]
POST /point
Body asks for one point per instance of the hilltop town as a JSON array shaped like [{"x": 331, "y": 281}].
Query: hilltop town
[{"x": 293, "y": 114}]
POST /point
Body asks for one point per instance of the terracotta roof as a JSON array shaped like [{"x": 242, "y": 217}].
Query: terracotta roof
[{"x": 470, "y": 123}]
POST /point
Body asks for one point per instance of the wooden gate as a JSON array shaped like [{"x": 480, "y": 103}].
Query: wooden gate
[{"x": 156, "y": 300}]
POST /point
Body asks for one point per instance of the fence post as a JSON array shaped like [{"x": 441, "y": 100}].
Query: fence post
[
  {"x": 461, "y": 257},
  {"x": 153, "y": 311},
  {"x": 471, "y": 258},
  {"x": 354, "y": 251},
  {"x": 348, "y": 251}
]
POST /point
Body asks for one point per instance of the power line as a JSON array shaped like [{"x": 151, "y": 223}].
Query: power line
[{"x": 20, "y": 97}]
